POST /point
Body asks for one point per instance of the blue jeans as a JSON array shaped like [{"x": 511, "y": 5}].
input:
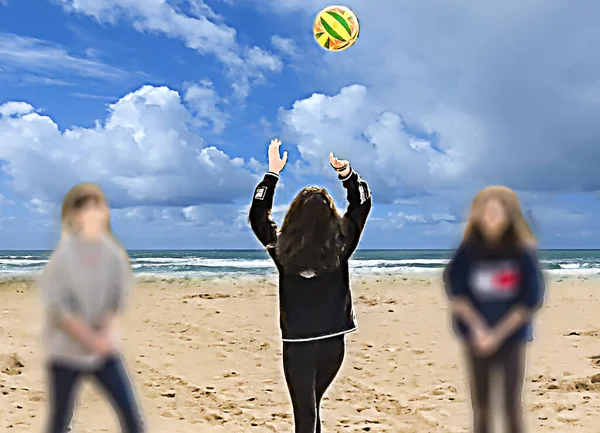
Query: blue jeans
[{"x": 114, "y": 381}]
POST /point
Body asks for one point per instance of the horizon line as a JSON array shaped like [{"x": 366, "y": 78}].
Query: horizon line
[{"x": 262, "y": 249}]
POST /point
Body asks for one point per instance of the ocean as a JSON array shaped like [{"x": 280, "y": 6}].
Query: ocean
[{"x": 205, "y": 263}]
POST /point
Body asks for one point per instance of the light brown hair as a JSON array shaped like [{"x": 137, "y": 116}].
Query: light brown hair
[
  {"x": 509, "y": 199},
  {"x": 78, "y": 194}
]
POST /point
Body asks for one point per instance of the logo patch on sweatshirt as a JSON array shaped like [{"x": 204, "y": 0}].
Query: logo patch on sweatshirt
[
  {"x": 260, "y": 193},
  {"x": 496, "y": 281}
]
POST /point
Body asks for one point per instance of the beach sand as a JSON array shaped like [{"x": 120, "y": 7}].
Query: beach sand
[{"x": 206, "y": 357}]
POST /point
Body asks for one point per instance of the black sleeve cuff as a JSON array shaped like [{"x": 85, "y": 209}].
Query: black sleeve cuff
[
  {"x": 345, "y": 178},
  {"x": 271, "y": 178}
]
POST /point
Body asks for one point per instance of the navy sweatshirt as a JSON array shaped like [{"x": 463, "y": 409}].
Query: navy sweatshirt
[
  {"x": 494, "y": 285},
  {"x": 312, "y": 308}
]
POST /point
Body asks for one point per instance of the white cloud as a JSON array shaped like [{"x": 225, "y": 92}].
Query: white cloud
[
  {"x": 284, "y": 45},
  {"x": 205, "y": 102},
  {"x": 353, "y": 126},
  {"x": 409, "y": 218},
  {"x": 406, "y": 202},
  {"x": 39, "y": 206},
  {"x": 200, "y": 9},
  {"x": 205, "y": 33},
  {"x": 29, "y": 59},
  {"x": 260, "y": 58},
  {"x": 213, "y": 219},
  {"x": 398, "y": 220},
  {"x": 143, "y": 154},
  {"x": 15, "y": 109},
  {"x": 506, "y": 98},
  {"x": 84, "y": 95},
  {"x": 5, "y": 201},
  {"x": 444, "y": 217}
]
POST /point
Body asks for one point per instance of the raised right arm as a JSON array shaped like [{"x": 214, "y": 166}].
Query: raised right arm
[
  {"x": 260, "y": 218},
  {"x": 359, "y": 206}
]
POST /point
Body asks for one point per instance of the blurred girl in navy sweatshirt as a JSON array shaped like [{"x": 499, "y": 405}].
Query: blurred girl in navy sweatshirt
[
  {"x": 495, "y": 287},
  {"x": 311, "y": 252}
]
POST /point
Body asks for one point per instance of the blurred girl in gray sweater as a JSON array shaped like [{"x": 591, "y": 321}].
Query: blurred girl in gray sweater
[{"x": 84, "y": 286}]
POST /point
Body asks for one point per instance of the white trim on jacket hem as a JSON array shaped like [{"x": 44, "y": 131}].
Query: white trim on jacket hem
[{"x": 321, "y": 337}]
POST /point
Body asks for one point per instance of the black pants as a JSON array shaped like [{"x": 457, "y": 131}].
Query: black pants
[
  {"x": 309, "y": 369},
  {"x": 508, "y": 365},
  {"x": 113, "y": 379}
]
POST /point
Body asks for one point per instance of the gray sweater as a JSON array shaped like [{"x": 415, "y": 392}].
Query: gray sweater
[{"x": 86, "y": 279}]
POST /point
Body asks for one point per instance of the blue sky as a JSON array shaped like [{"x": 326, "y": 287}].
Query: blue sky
[{"x": 170, "y": 106}]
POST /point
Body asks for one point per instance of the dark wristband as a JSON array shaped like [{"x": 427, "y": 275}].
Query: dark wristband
[{"x": 340, "y": 169}]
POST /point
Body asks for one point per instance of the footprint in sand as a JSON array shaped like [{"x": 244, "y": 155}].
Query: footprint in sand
[
  {"x": 571, "y": 384},
  {"x": 11, "y": 365},
  {"x": 207, "y": 296},
  {"x": 447, "y": 392},
  {"x": 366, "y": 301},
  {"x": 595, "y": 360},
  {"x": 594, "y": 333}
]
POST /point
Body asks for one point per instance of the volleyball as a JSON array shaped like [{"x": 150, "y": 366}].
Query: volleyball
[{"x": 336, "y": 28}]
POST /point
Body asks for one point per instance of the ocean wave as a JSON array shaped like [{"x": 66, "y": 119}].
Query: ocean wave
[
  {"x": 23, "y": 262},
  {"x": 211, "y": 263},
  {"x": 231, "y": 263}
]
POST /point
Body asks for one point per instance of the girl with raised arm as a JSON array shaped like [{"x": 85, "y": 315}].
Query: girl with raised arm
[
  {"x": 495, "y": 287},
  {"x": 84, "y": 287},
  {"x": 311, "y": 253}
]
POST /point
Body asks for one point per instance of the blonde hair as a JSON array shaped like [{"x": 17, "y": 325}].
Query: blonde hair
[
  {"x": 512, "y": 206},
  {"x": 81, "y": 191}
]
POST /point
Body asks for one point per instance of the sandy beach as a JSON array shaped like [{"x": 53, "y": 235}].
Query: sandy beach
[{"x": 205, "y": 357}]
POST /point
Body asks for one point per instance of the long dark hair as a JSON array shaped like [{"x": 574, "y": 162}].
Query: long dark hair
[{"x": 311, "y": 236}]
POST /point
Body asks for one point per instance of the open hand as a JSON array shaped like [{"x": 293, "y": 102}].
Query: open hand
[
  {"x": 340, "y": 165},
  {"x": 276, "y": 161}
]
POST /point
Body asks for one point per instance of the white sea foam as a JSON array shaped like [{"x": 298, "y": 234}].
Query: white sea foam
[{"x": 226, "y": 264}]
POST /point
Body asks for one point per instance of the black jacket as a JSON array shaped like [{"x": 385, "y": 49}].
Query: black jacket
[{"x": 318, "y": 307}]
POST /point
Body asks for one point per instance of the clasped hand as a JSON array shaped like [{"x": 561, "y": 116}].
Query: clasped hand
[
  {"x": 485, "y": 342},
  {"x": 102, "y": 344}
]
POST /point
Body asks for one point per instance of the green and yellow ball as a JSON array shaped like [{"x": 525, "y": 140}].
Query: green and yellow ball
[{"x": 336, "y": 28}]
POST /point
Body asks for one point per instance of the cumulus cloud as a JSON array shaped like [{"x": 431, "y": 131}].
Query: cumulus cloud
[
  {"x": 504, "y": 96},
  {"x": 201, "y": 30},
  {"x": 352, "y": 125},
  {"x": 144, "y": 153},
  {"x": 434, "y": 101},
  {"x": 15, "y": 109}
]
